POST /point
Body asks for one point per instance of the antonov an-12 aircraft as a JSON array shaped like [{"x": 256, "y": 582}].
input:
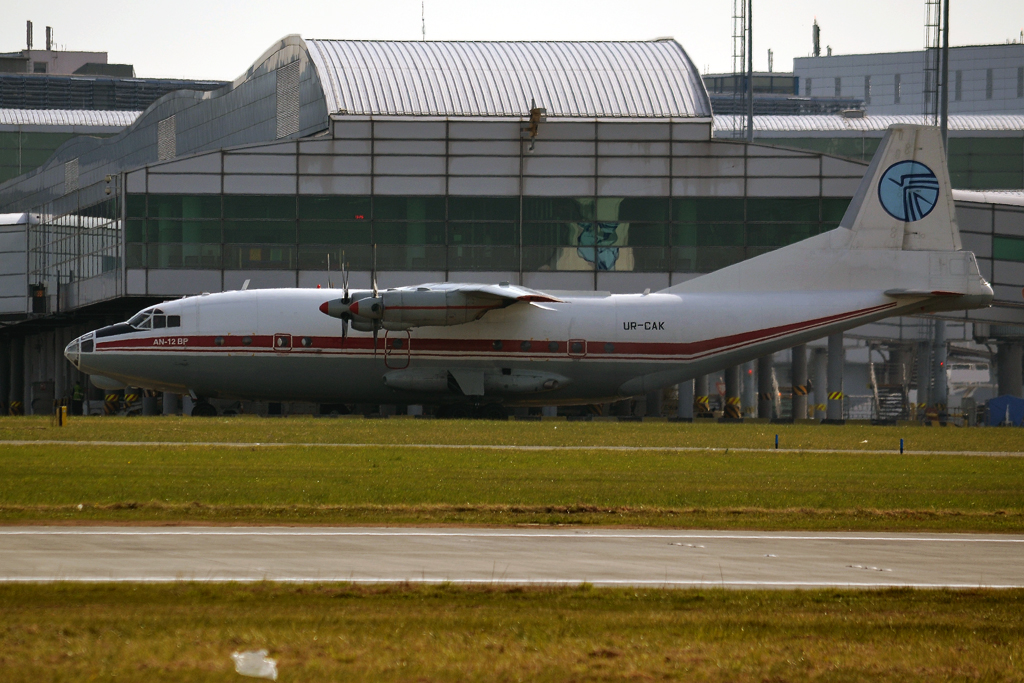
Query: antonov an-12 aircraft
[{"x": 897, "y": 251}]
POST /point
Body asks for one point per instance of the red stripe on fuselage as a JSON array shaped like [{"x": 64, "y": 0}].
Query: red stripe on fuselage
[{"x": 518, "y": 348}]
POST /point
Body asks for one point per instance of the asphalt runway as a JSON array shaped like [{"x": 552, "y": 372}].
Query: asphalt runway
[{"x": 544, "y": 555}]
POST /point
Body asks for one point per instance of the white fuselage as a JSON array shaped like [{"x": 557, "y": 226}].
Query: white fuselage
[{"x": 276, "y": 345}]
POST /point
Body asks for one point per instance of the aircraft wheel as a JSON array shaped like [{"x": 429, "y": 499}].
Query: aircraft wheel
[
  {"x": 203, "y": 409},
  {"x": 492, "y": 411}
]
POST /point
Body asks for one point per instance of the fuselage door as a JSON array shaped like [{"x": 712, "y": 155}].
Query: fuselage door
[
  {"x": 282, "y": 342},
  {"x": 396, "y": 348}
]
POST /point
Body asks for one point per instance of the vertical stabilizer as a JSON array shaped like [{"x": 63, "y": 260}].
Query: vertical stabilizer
[{"x": 904, "y": 200}]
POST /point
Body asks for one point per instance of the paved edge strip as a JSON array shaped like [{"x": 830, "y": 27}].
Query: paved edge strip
[
  {"x": 246, "y": 531},
  {"x": 501, "y": 447},
  {"x": 510, "y": 582}
]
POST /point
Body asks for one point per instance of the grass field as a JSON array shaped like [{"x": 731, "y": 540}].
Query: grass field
[
  {"x": 385, "y": 483},
  {"x": 327, "y": 633}
]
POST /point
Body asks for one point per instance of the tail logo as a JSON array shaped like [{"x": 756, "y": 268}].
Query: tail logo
[{"x": 908, "y": 191}]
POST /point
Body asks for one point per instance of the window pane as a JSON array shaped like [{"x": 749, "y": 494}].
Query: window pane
[
  {"x": 183, "y": 231},
  {"x": 833, "y": 208},
  {"x": 410, "y": 257},
  {"x": 135, "y": 231},
  {"x": 335, "y": 208},
  {"x": 648, "y": 234},
  {"x": 547, "y": 233},
  {"x": 483, "y": 208},
  {"x": 354, "y": 256},
  {"x": 1008, "y": 248},
  {"x": 259, "y": 206},
  {"x": 483, "y": 233},
  {"x": 779, "y": 234},
  {"x": 334, "y": 232},
  {"x": 700, "y": 209},
  {"x": 557, "y": 208},
  {"x": 759, "y": 209},
  {"x": 182, "y": 206},
  {"x": 408, "y": 208},
  {"x": 643, "y": 209},
  {"x": 273, "y": 232},
  {"x": 720, "y": 234},
  {"x": 183, "y": 255},
  {"x": 483, "y": 257},
  {"x": 408, "y": 233},
  {"x": 135, "y": 204},
  {"x": 259, "y": 257}
]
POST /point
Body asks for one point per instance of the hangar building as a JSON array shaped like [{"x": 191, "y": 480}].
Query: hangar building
[{"x": 557, "y": 165}]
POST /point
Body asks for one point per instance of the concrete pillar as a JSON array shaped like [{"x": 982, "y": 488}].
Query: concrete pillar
[
  {"x": 187, "y": 404},
  {"x": 414, "y": 410},
  {"x": 924, "y": 377},
  {"x": 549, "y": 411},
  {"x": 819, "y": 379},
  {"x": 684, "y": 408},
  {"x": 765, "y": 393},
  {"x": 732, "y": 392},
  {"x": 653, "y": 407},
  {"x": 939, "y": 397},
  {"x": 150, "y": 405},
  {"x": 170, "y": 403},
  {"x": 749, "y": 382},
  {"x": 799, "y": 372},
  {"x": 5, "y": 374},
  {"x": 836, "y": 360},
  {"x": 17, "y": 400},
  {"x": 1008, "y": 369},
  {"x": 701, "y": 396}
]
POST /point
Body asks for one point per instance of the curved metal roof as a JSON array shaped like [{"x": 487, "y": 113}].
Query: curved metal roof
[
  {"x": 837, "y": 122},
  {"x": 67, "y": 117},
  {"x": 588, "y": 79}
]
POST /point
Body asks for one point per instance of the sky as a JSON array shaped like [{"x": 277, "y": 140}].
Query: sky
[{"x": 220, "y": 39}]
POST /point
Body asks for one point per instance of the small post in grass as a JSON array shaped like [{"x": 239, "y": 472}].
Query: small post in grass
[
  {"x": 901, "y": 446},
  {"x": 776, "y": 442}
]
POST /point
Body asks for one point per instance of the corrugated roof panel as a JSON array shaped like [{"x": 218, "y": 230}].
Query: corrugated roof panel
[
  {"x": 423, "y": 78},
  {"x": 724, "y": 123},
  {"x": 67, "y": 117}
]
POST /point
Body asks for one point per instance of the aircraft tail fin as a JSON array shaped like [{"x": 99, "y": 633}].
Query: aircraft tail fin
[{"x": 905, "y": 201}]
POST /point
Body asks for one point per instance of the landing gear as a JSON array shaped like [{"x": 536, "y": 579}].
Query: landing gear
[{"x": 203, "y": 409}]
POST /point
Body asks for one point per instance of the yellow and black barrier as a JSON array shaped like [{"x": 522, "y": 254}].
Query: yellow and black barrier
[
  {"x": 799, "y": 390},
  {"x": 17, "y": 408},
  {"x": 110, "y": 404},
  {"x": 835, "y": 396},
  {"x": 732, "y": 407}
]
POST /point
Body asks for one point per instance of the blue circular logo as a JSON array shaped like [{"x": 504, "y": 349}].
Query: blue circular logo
[{"x": 908, "y": 191}]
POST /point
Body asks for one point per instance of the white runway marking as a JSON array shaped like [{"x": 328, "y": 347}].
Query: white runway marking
[
  {"x": 568, "y": 535},
  {"x": 655, "y": 558},
  {"x": 503, "y": 447}
]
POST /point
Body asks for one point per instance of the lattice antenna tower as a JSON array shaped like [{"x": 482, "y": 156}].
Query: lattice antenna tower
[
  {"x": 739, "y": 67},
  {"x": 932, "y": 35}
]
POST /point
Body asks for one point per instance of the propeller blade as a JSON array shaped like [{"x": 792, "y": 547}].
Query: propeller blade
[
  {"x": 373, "y": 273},
  {"x": 344, "y": 278},
  {"x": 376, "y": 329}
]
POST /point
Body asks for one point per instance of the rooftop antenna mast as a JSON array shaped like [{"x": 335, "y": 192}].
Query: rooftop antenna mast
[
  {"x": 739, "y": 66},
  {"x": 423, "y": 20},
  {"x": 932, "y": 34}
]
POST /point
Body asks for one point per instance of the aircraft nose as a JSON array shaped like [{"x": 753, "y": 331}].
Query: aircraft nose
[{"x": 73, "y": 352}]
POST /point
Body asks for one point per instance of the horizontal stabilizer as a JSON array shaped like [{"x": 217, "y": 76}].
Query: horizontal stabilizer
[{"x": 918, "y": 293}]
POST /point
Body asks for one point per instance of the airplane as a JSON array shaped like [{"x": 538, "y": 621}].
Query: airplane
[{"x": 485, "y": 347}]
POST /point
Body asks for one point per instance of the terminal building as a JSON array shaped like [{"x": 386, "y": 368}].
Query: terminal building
[{"x": 557, "y": 165}]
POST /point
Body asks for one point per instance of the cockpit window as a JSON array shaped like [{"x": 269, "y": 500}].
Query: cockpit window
[{"x": 154, "y": 319}]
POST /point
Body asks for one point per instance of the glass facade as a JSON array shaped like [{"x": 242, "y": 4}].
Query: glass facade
[
  {"x": 437, "y": 233},
  {"x": 21, "y": 152},
  {"x": 975, "y": 163}
]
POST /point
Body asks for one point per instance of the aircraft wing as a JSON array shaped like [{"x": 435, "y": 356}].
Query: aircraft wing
[{"x": 508, "y": 292}]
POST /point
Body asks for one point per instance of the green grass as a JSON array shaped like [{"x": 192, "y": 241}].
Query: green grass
[
  {"x": 313, "y": 430},
  {"x": 149, "y": 633},
  {"x": 387, "y": 484}
]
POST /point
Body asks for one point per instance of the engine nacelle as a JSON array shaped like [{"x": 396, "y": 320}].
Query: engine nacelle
[{"x": 400, "y": 309}]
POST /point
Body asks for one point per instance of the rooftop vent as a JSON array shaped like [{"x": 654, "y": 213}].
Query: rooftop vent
[{"x": 853, "y": 113}]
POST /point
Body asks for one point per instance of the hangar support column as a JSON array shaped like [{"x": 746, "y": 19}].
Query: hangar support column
[
  {"x": 799, "y": 382},
  {"x": 748, "y": 377},
  {"x": 732, "y": 393},
  {"x": 16, "y": 402},
  {"x": 836, "y": 360},
  {"x": 820, "y": 383},
  {"x": 939, "y": 394},
  {"x": 684, "y": 408},
  {"x": 924, "y": 377},
  {"x": 1009, "y": 369},
  {"x": 764, "y": 387},
  {"x": 701, "y": 397},
  {"x": 5, "y": 374}
]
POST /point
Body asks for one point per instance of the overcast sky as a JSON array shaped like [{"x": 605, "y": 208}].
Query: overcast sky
[{"x": 219, "y": 39}]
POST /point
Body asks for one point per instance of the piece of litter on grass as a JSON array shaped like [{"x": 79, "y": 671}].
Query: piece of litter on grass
[
  {"x": 255, "y": 663},
  {"x": 769, "y": 555},
  {"x": 864, "y": 441},
  {"x": 79, "y": 506}
]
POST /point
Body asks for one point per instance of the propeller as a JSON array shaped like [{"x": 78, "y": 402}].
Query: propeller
[
  {"x": 345, "y": 298},
  {"x": 373, "y": 285}
]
